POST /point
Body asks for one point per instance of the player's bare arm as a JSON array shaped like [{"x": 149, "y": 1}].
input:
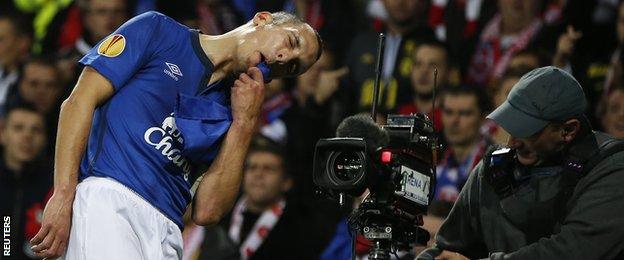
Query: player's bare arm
[
  {"x": 76, "y": 115},
  {"x": 217, "y": 190}
]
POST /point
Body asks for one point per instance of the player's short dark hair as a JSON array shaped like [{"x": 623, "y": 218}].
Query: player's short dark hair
[
  {"x": 280, "y": 18},
  {"x": 482, "y": 100}
]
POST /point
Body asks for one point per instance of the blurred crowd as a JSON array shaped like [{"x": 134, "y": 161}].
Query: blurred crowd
[{"x": 480, "y": 49}]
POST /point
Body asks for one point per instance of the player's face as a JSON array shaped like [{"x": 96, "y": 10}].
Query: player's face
[
  {"x": 265, "y": 181},
  {"x": 23, "y": 136},
  {"x": 289, "y": 49}
]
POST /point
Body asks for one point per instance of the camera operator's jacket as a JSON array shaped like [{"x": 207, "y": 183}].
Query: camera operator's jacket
[{"x": 480, "y": 225}]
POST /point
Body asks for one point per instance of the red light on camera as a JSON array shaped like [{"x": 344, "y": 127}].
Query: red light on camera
[{"x": 386, "y": 157}]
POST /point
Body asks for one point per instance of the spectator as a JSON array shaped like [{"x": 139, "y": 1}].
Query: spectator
[
  {"x": 615, "y": 74},
  {"x": 25, "y": 175},
  {"x": 459, "y": 23},
  {"x": 426, "y": 58},
  {"x": 463, "y": 112},
  {"x": 600, "y": 66},
  {"x": 15, "y": 44},
  {"x": 40, "y": 87},
  {"x": 403, "y": 33},
  {"x": 313, "y": 113},
  {"x": 331, "y": 19},
  {"x": 42, "y": 16},
  {"x": 612, "y": 112},
  {"x": 99, "y": 19},
  {"x": 504, "y": 86},
  {"x": 565, "y": 48},
  {"x": 263, "y": 224},
  {"x": 276, "y": 102},
  {"x": 217, "y": 16},
  {"x": 317, "y": 90},
  {"x": 529, "y": 59},
  {"x": 511, "y": 30}
]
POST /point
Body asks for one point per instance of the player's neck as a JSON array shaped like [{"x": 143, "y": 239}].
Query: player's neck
[{"x": 221, "y": 50}]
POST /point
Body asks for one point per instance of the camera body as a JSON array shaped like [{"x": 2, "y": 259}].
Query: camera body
[{"x": 400, "y": 177}]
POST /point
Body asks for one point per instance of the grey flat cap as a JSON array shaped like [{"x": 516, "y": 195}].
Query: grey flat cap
[{"x": 543, "y": 95}]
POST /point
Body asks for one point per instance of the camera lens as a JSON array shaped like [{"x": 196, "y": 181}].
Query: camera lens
[{"x": 347, "y": 166}]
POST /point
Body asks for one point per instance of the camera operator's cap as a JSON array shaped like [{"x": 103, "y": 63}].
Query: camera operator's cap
[{"x": 541, "y": 96}]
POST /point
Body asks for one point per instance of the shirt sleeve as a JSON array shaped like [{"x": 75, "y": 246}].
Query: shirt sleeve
[
  {"x": 120, "y": 55},
  {"x": 594, "y": 228}
]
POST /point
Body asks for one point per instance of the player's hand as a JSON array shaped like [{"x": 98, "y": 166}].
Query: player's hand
[
  {"x": 247, "y": 97},
  {"x": 448, "y": 255},
  {"x": 51, "y": 240}
]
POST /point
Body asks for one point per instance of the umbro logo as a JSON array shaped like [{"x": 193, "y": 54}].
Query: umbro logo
[{"x": 173, "y": 71}]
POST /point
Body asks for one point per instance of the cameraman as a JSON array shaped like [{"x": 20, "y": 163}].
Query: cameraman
[{"x": 556, "y": 195}]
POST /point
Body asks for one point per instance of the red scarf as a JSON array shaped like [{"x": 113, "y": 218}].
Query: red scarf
[
  {"x": 490, "y": 59},
  {"x": 260, "y": 230},
  {"x": 472, "y": 11}
]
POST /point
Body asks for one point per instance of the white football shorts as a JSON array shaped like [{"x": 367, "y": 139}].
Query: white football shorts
[{"x": 110, "y": 221}]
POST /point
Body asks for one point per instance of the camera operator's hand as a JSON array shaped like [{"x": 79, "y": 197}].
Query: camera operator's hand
[{"x": 448, "y": 255}]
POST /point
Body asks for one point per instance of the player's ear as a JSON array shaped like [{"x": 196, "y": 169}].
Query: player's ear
[{"x": 262, "y": 18}]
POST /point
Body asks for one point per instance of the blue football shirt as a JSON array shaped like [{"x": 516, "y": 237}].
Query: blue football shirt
[{"x": 163, "y": 118}]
